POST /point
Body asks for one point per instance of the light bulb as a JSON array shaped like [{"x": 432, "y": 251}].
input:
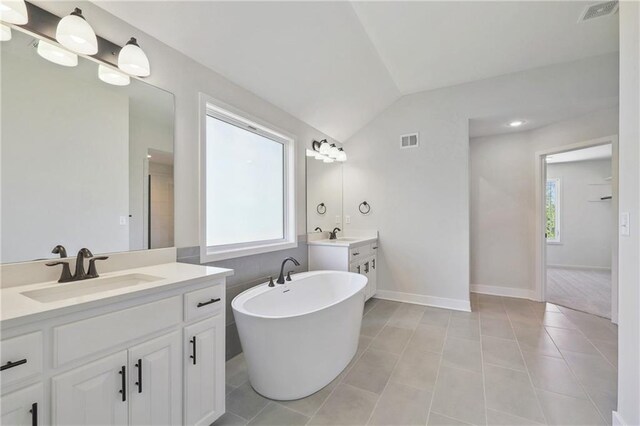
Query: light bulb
[
  {"x": 14, "y": 12},
  {"x": 324, "y": 147},
  {"x": 133, "y": 60},
  {"x": 516, "y": 123},
  {"x": 5, "y": 33},
  {"x": 75, "y": 33},
  {"x": 342, "y": 156},
  {"x": 333, "y": 151},
  {"x": 56, "y": 54},
  {"x": 111, "y": 76}
]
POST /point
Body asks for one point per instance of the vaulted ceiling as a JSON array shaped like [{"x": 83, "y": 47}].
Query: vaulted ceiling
[{"x": 336, "y": 65}]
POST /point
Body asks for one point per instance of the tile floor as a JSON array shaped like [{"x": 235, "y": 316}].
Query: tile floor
[
  {"x": 586, "y": 290},
  {"x": 510, "y": 362}
]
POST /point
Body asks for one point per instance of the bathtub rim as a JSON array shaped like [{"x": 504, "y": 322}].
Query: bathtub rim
[{"x": 263, "y": 288}]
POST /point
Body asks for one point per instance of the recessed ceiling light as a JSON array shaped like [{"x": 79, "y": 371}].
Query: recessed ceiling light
[{"x": 516, "y": 123}]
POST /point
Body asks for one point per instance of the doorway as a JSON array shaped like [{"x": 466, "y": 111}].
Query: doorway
[{"x": 578, "y": 216}]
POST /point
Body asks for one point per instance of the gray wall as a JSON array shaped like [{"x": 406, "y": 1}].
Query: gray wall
[{"x": 585, "y": 225}]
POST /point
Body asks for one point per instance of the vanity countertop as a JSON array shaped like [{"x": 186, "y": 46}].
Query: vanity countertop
[
  {"x": 342, "y": 241},
  {"x": 16, "y": 306}
]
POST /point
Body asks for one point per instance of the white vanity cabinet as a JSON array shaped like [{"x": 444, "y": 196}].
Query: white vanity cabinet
[
  {"x": 354, "y": 256},
  {"x": 151, "y": 359}
]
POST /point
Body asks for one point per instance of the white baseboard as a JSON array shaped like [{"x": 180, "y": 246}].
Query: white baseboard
[
  {"x": 617, "y": 419},
  {"x": 420, "y": 299},
  {"x": 583, "y": 267},
  {"x": 520, "y": 293}
]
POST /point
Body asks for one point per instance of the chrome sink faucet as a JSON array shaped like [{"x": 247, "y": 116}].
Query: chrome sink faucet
[
  {"x": 332, "y": 234},
  {"x": 80, "y": 273}
]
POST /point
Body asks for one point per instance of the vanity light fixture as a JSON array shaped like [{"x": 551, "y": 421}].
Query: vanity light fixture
[
  {"x": 14, "y": 12},
  {"x": 111, "y": 76},
  {"x": 516, "y": 123},
  {"x": 327, "y": 153},
  {"x": 5, "y": 33},
  {"x": 133, "y": 60},
  {"x": 56, "y": 54},
  {"x": 324, "y": 147},
  {"x": 75, "y": 33}
]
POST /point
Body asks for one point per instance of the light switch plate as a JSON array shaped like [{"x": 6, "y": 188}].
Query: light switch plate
[
  {"x": 624, "y": 224},
  {"x": 347, "y": 219}
]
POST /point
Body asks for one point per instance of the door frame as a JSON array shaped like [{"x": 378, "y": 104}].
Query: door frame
[{"x": 540, "y": 221}]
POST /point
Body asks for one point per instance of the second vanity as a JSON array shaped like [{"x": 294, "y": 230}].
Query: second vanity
[
  {"x": 354, "y": 254},
  {"x": 147, "y": 348}
]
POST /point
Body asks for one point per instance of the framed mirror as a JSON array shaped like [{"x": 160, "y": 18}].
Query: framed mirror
[
  {"x": 324, "y": 195},
  {"x": 84, "y": 163}
]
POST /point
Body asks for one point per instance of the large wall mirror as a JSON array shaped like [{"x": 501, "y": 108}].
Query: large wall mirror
[
  {"x": 84, "y": 163},
  {"x": 324, "y": 195}
]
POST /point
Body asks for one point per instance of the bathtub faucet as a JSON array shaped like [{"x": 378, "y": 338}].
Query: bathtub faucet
[{"x": 281, "y": 277}]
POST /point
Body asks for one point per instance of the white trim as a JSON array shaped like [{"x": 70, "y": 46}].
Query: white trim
[
  {"x": 520, "y": 293},
  {"x": 209, "y": 106},
  {"x": 421, "y": 299},
  {"x": 617, "y": 420},
  {"x": 540, "y": 225}
]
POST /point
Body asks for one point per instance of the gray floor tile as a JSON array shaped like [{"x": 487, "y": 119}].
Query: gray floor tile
[
  {"x": 491, "y": 310},
  {"x": 464, "y": 328},
  {"x": 536, "y": 340},
  {"x": 372, "y": 371},
  {"x": 407, "y": 316},
  {"x": 436, "y": 419},
  {"x": 571, "y": 340},
  {"x": 369, "y": 304},
  {"x": 347, "y": 405},
  {"x": 494, "y": 327},
  {"x": 593, "y": 371},
  {"x": 511, "y": 392},
  {"x": 525, "y": 315},
  {"x": 605, "y": 401},
  {"x": 462, "y": 353},
  {"x": 417, "y": 369},
  {"x": 559, "y": 320},
  {"x": 236, "y": 371},
  {"x": 392, "y": 339},
  {"x": 309, "y": 405},
  {"x": 502, "y": 352},
  {"x": 277, "y": 415},
  {"x": 427, "y": 338},
  {"x": 374, "y": 321},
  {"x": 230, "y": 419},
  {"x": 490, "y": 298},
  {"x": 552, "y": 374},
  {"x": 436, "y": 317},
  {"x": 401, "y": 405},
  {"x": 564, "y": 410},
  {"x": 608, "y": 349},
  {"x": 459, "y": 395},
  {"x": 498, "y": 418},
  {"x": 245, "y": 402}
]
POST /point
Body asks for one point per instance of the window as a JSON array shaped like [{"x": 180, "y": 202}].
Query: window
[
  {"x": 552, "y": 231},
  {"x": 247, "y": 185}
]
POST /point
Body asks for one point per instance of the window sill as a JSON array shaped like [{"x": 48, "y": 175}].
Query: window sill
[
  {"x": 210, "y": 255},
  {"x": 554, "y": 243}
]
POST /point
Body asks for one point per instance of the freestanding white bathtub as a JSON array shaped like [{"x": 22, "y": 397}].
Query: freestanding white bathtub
[{"x": 298, "y": 336}]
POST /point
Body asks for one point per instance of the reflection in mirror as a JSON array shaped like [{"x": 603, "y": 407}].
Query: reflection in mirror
[
  {"x": 84, "y": 163},
  {"x": 324, "y": 195}
]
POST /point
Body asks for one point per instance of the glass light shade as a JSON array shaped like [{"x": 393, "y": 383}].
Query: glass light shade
[
  {"x": 75, "y": 33},
  {"x": 14, "y": 12},
  {"x": 133, "y": 60},
  {"x": 310, "y": 153},
  {"x": 342, "y": 156},
  {"x": 324, "y": 148},
  {"x": 333, "y": 151},
  {"x": 111, "y": 76},
  {"x": 328, "y": 160},
  {"x": 5, "y": 33},
  {"x": 56, "y": 54}
]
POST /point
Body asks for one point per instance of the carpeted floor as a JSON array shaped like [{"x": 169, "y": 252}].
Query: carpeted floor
[{"x": 585, "y": 290}]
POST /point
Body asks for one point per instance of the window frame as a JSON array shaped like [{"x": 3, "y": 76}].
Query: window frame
[
  {"x": 209, "y": 106},
  {"x": 558, "y": 238}
]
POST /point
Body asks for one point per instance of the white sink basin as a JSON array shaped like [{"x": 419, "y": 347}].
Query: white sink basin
[{"x": 86, "y": 287}]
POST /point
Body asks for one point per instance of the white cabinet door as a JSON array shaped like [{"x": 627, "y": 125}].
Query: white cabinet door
[
  {"x": 204, "y": 371},
  {"x": 23, "y": 407},
  {"x": 94, "y": 394},
  {"x": 155, "y": 388}
]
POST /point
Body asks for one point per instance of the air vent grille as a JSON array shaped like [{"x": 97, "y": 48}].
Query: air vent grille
[
  {"x": 599, "y": 10},
  {"x": 410, "y": 140}
]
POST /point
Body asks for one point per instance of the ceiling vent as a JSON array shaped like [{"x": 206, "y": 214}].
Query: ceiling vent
[
  {"x": 599, "y": 10},
  {"x": 409, "y": 141}
]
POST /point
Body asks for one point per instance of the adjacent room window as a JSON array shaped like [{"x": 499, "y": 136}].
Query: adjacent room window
[
  {"x": 553, "y": 211},
  {"x": 248, "y": 191}
]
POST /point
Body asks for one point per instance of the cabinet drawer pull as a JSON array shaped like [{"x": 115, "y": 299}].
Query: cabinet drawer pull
[
  {"x": 373, "y": 264},
  {"x": 34, "y": 414},
  {"x": 375, "y": 247},
  {"x": 123, "y": 390},
  {"x": 193, "y": 343},
  {"x": 355, "y": 253},
  {"x": 10, "y": 364},
  {"x": 201, "y": 304},
  {"x": 358, "y": 268},
  {"x": 139, "y": 382},
  {"x": 366, "y": 268}
]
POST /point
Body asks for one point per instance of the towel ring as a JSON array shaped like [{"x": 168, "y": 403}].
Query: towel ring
[
  {"x": 321, "y": 208},
  {"x": 364, "y": 207}
]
